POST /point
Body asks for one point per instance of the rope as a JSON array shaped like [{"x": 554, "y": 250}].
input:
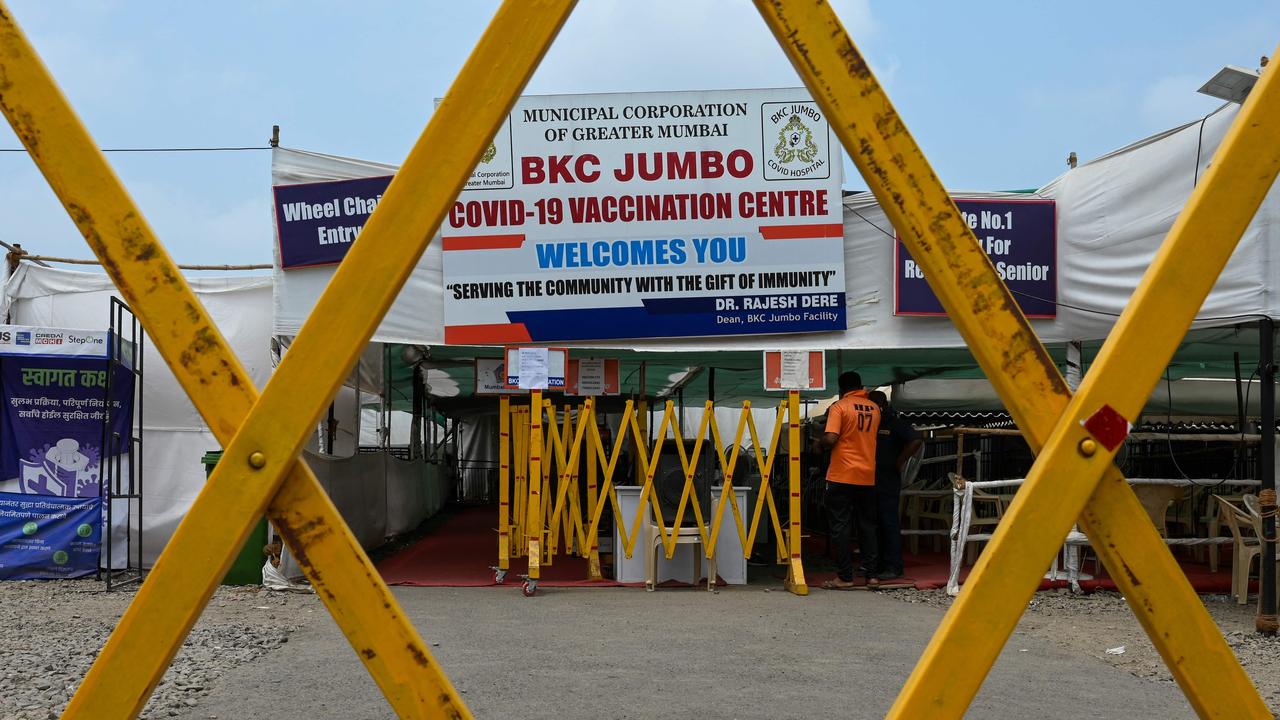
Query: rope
[
  {"x": 1267, "y": 499},
  {"x": 1267, "y": 508},
  {"x": 1266, "y": 624},
  {"x": 42, "y": 259}
]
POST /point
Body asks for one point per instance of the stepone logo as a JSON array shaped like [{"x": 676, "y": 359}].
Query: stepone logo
[
  {"x": 84, "y": 340},
  {"x": 796, "y": 141}
]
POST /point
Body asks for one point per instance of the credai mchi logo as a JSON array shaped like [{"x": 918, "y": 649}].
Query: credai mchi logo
[
  {"x": 47, "y": 338},
  {"x": 796, "y": 141}
]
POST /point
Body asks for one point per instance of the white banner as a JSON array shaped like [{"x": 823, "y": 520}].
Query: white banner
[
  {"x": 649, "y": 215},
  {"x": 29, "y": 340}
]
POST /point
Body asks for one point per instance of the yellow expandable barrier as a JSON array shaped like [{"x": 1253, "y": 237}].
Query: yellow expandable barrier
[{"x": 558, "y": 514}]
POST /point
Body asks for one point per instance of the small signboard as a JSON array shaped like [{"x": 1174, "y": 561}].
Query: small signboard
[
  {"x": 591, "y": 377},
  {"x": 795, "y": 370},
  {"x": 536, "y": 368}
]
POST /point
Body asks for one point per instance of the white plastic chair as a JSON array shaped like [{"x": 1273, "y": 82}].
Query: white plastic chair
[
  {"x": 673, "y": 483},
  {"x": 1246, "y": 547},
  {"x": 684, "y": 536}
]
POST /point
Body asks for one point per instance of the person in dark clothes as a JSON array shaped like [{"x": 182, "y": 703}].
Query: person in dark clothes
[
  {"x": 896, "y": 442},
  {"x": 850, "y": 435}
]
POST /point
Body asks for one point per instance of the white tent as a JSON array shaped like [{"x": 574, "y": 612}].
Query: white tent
[
  {"x": 175, "y": 438},
  {"x": 379, "y": 495}
]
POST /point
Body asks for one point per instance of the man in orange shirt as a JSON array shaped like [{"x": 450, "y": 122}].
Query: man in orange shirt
[{"x": 852, "y": 424}]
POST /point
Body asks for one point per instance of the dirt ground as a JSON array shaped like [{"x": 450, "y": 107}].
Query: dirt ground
[
  {"x": 1091, "y": 624},
  {"x": 613, "y": 653}
]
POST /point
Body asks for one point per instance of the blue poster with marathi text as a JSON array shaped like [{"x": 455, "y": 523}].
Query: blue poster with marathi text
[
  {"x": 54, "y": 443},
  {"x": 43, "y": 537},
  {"x": 54, "y": 412}
]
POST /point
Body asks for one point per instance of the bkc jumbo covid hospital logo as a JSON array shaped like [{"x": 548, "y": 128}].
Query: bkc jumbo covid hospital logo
[{"x": 796, "y": 141}]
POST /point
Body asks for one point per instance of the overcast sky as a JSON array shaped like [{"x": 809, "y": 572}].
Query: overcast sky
[{"x": 997, "y": 93}]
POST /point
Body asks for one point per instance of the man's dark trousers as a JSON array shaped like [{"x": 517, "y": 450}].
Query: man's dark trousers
[
  {"x": 889, "y": 527},
  {"x": 852, "y": 508}
]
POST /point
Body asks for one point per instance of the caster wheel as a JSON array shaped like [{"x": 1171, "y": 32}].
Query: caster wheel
[
  {"x": 529, "y": 588},
  {"x": 499, "y": 577}
]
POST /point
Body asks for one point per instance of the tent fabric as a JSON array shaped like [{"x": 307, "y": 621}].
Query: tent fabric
[
  {"x": 1113, "y": 214},
  {"x": 174, "y": 435},
  {"x": 378, "y": 496}
]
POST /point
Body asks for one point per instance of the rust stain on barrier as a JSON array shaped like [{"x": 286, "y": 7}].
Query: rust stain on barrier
[
  {"x": 418, "y": 656},
  {"x": 205, "y": 341},
  {"x": 24, "y": 126},
  {"x": 446, "y": 704},
  {"x": 1129, "y": 571},
  {"x": 368, "y": 653},
  {"x": 297, "y": 539}
]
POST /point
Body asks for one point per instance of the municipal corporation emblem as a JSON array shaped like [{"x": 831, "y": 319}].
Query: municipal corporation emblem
[{"x": 495, "y": 170}]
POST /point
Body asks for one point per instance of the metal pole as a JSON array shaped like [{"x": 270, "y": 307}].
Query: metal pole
[
  {"x": 1266, "y": 619},
  {"x": 1241, "y": 411}
]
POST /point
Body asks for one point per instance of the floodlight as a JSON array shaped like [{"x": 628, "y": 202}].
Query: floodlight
[{"x": 1231, "y": 84}]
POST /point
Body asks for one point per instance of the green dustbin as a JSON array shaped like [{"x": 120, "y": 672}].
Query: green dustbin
[{"x": 246, "y": 569}]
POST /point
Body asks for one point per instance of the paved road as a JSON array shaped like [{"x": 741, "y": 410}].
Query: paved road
[{"x": 623, "y": 653}]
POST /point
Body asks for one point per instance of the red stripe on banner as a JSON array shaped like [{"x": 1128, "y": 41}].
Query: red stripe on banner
[
  {"x": 800, "y": 232},
  {"x": 482, "y": 242},
  {"x": 498, "y": 333}
]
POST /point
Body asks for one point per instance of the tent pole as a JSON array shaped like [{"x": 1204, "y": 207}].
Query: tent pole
[
  {"x": 1075, "y": 364},
  {"x": 330, "y": 430},
  {"x": 1240, "y": 416},
  {"x": 1266, "y": 619}
]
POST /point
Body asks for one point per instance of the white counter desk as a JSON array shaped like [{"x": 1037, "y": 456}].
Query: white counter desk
[{"x": 732, "y": 566}]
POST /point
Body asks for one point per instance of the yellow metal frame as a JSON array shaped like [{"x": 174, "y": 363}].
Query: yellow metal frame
[
  {"x": 549, "y": 516},
  {"x": 262, "y": 435},
  {"x": 1016, "y": 363},
  {"x": 1073, "y": 479}
]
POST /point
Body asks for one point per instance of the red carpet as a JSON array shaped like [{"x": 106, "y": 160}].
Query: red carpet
[{"x": 460, "y": 552}]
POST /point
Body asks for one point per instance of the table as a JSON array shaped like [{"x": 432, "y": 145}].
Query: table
[{"x": 732, "y": 566}]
